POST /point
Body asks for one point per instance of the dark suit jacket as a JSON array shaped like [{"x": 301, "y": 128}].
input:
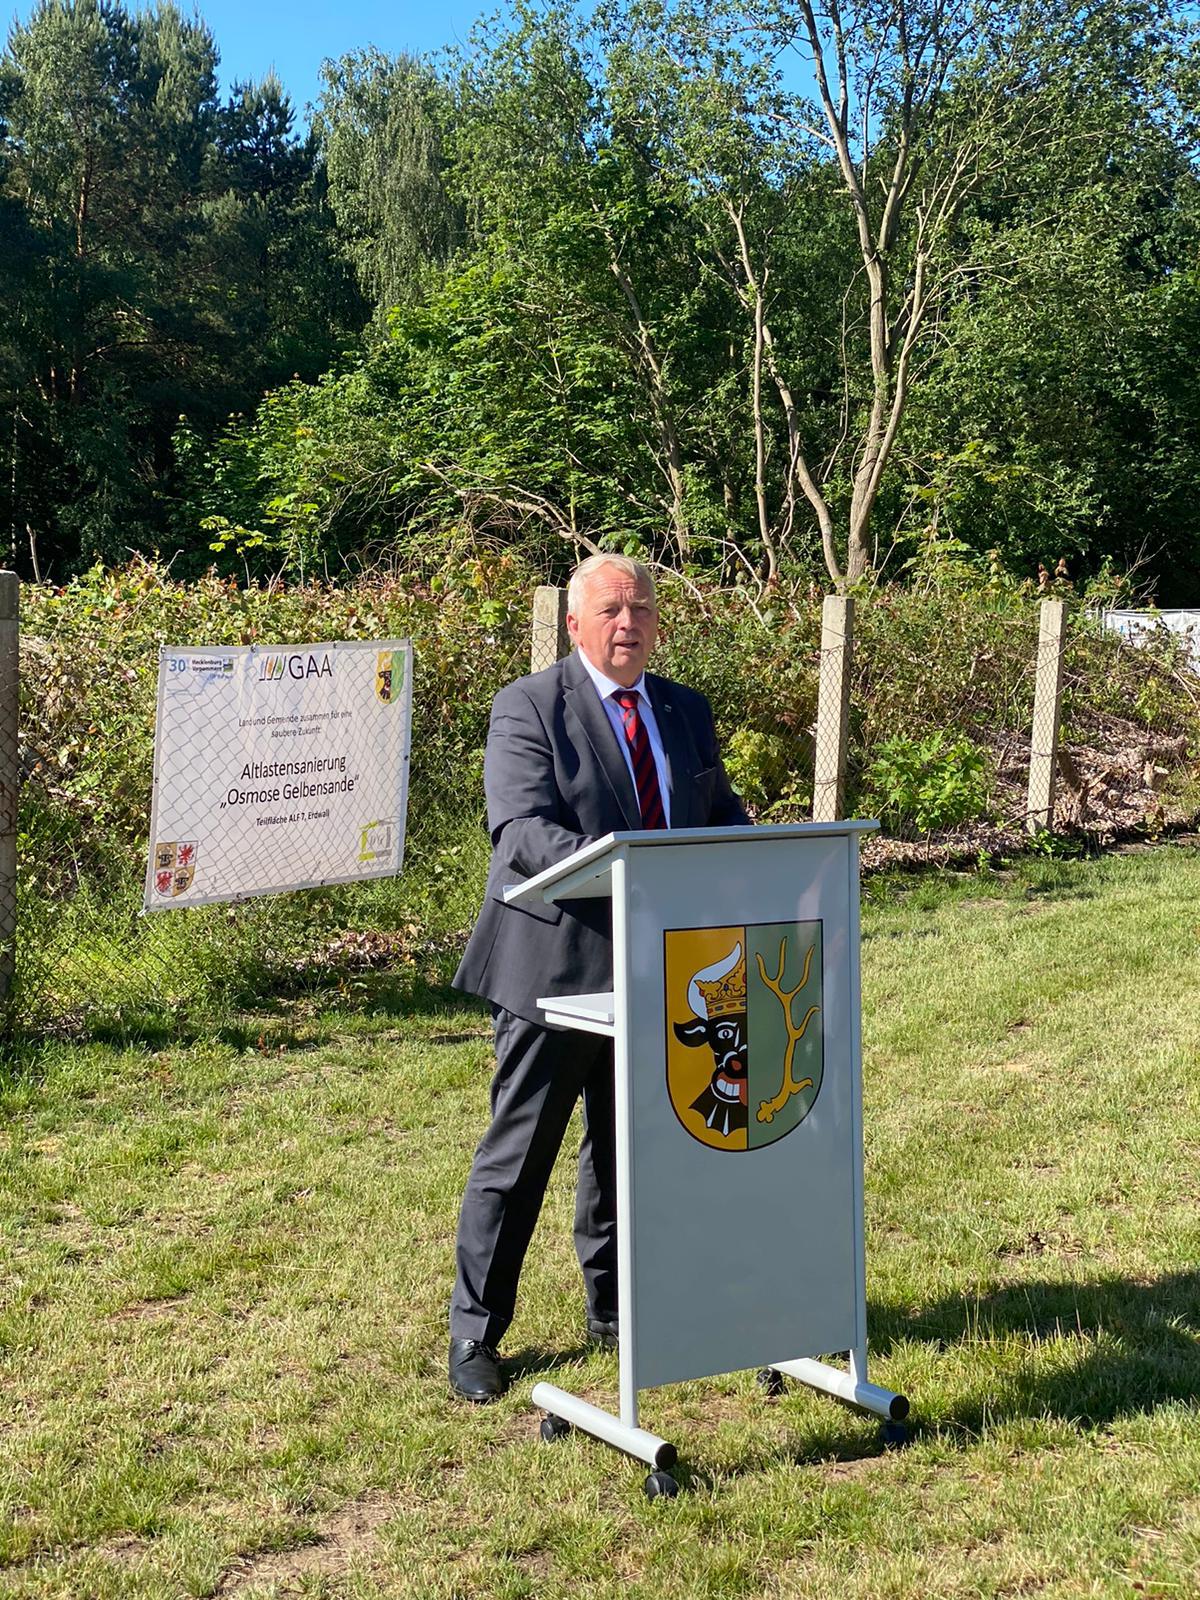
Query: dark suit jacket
[{"x": 555, "y": 778}]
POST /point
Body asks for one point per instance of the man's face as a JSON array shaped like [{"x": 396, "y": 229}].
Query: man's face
[{"x": 615, "y": 625}]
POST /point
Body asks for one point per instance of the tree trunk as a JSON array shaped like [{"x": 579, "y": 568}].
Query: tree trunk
[{"x": 667, "y": 432}]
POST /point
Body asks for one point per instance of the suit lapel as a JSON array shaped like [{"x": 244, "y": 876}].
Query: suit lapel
[
  {"x": 581, "y": 701},
  {"x": 677, "y": 747}
]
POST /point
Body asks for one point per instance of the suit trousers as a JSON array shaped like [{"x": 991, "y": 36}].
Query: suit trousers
[{"x": 540, "y": 1073}]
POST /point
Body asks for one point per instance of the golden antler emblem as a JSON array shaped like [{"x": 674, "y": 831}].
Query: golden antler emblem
[{"x": 789, "y": 1086}]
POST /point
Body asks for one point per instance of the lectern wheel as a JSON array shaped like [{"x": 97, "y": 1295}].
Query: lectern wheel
[
  {"x": 894, "y": 1435},
  {"x": 554, "y": 1428},
  {"x": 773, "y": 1382},
  {"x": 661, "y": 1486}
]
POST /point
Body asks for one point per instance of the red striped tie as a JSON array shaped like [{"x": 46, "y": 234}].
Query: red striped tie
[{"x": 645, "y": 773}]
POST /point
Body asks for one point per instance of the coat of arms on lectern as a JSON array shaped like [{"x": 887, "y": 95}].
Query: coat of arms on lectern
[{"x": 745, "y": 1050}]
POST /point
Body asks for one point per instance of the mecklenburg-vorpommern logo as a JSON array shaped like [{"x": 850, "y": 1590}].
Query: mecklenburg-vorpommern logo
[
  {"x": 745, "y": 1049},
  {"x": 175, "y": 866}
]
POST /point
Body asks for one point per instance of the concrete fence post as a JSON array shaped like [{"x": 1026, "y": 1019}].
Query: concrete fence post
[
  {"x": 549, "y": 642},
  {"x": 9, "y": 775},
  {"x": 1047, "y": 705},
  {"x": 833, "y": 707}
]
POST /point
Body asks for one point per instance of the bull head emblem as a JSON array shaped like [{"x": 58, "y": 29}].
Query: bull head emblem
[{"x": 717, "y": 997}]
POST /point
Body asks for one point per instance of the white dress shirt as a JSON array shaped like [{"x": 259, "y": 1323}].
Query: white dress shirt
[{"x": 607, "y": 689}]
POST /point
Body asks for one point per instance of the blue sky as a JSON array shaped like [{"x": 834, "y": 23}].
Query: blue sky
[{"x": 295, "y": 36}]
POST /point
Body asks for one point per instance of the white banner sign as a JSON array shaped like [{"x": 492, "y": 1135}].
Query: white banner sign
[
  {"x": 278, "y": 768},
  {"x": 1137, "y": 625}
]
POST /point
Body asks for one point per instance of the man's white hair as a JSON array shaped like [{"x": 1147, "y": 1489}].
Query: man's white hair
[{"x": 586, "y": 570}]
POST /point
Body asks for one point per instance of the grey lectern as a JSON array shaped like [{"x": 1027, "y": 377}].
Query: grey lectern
[{"x": 735, "y": 1020}]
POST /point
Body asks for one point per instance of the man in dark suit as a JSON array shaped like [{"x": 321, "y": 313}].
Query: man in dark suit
[{"x": 591, "y": 745}]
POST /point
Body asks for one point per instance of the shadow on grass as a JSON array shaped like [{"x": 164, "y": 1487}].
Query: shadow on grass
[
  {"x": 1087, "y": 1353},
  {"x": 390, "y": 994},
  {"x": 533, "y": 1361},
  {"x": 854, "y": 1440},
  {"x": 1084, "y": 1353},
  {"x": 290, "y": 1020},
  {"x": 1136, "y": 1346}
]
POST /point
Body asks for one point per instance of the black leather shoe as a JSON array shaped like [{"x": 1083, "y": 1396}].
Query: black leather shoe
[
  {"x": 475, "y": 1371},
  {"x": 601, "y": 1334}
]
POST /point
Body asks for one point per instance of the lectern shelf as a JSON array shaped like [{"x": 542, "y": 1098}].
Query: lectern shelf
[{"x": 590, "y": 1013}]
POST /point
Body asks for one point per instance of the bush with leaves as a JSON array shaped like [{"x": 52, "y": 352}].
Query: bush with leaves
[
  {"x": 925, "y": 784},
  {"x": 759, "y": 667},
  {"x": 942, "y": 696},
  {"x": 89, "y": 675}
]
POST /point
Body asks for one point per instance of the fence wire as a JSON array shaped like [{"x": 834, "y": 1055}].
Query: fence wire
[
  {"x": 1130, "y": 732},
  {"x": 941, "y": 709},
  {"x": 10, "y": 785},
  {"x": 89, "y": 962},
  {"x": 938, "y": 724}
]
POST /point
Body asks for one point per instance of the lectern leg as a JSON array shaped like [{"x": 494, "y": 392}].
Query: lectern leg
[
  {"x": 848, "y": 1386},
  {"x": 637, "y": 1442}
]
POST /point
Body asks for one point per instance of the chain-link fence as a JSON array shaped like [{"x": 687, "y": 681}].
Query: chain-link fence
[
  {"x": 87, "y": 961},
  {"x": 973, "y": 725},
  {"x": 1129, "y": 733},
  {"x": 10, "y": 785},
  {"x": 917, "y": 707},
  {"x": 942, "y": 705}
]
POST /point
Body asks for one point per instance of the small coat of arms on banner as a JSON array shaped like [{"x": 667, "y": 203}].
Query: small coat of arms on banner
[
  {"x": 745, "y": 1051},
  {"x": 175, "y": 867},
  {"x": 389, "y": 675}
]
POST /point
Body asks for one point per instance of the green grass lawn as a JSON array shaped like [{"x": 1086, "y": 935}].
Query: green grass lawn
[{"x": 225, "y": 1264}]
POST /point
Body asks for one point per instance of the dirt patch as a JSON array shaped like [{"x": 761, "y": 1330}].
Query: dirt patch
[
  {"x": 125, "y": 1552},
  {"x": 835, "y": 1471},
  {"x": 1040, "y": 1243},
  {"x": 341, "y": 1538},
  {"x": 141, "y": 1310},
  {"x": 1029, "y": 1584},
  {"x": 539, "y": 1564}
]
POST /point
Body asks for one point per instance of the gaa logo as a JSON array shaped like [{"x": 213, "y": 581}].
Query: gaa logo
[
  {"x": 273, "y": 669},
  {"x": 745, "y": 1050}
]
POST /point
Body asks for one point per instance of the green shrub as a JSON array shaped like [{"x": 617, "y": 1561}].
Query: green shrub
[
  {"x": 90, "y": 671},
  {"x": 762, "y": 768},
  {"x": 941, "y": 693},
  {"x": 759, "y": 668},
  {"x": 926, "y": 784}
]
